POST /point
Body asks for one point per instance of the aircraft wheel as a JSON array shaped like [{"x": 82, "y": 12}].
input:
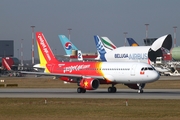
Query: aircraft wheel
[
  {"x": 114, "y": 89},
  {"x": 140, "y": 91},
  {"x": 109, "y": 89},
  {"x": 79, "y": 90},
  {"x": 83, "y": 90}
]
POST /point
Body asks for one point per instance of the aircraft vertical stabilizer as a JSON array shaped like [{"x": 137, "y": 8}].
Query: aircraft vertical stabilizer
[
  {"x": 100, "y": 48},
  {"x": 45, "y": 53},
  {"x": 132, "y": 42},
  {"x": 67, "y": 44},
  {"x": 108, "y": 43},
  {"x": 5, "y": 64}
]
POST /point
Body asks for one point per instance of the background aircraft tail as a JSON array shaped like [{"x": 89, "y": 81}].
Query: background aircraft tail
[
  {"x": 108, "y": 43},
  {"x": 101, "y": 48},
  {"x": 45, "y": 53},
  {"x": 132, "y": 42},
  {"x": 5, "y": 64},
  {"x": 67, "y": 44}
]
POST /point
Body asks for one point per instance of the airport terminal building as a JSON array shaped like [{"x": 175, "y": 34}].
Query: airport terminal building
[{"x": 6, "y": 48}]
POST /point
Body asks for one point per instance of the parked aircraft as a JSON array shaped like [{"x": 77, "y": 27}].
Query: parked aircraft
[
  {"x": 147, "y": 54},
  {"x": 73, "y": 53},
  {"x": 168, "y": 61},
  {"x": 5, "y": 64},
  {"x": 10, "y": 71},
  {"x": 89, "y": 75}
]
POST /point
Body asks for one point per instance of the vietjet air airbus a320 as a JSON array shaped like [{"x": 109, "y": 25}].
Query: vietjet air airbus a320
[{"x": 89, "y": 75}]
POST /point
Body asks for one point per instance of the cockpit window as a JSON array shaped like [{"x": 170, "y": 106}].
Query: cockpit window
[
  {"x": 153, "y": 68},
  {"x": 147, "y": 68}
]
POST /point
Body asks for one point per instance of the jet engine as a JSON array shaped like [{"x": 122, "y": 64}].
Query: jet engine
[
  {"x": 89, "y": 83},
  {"x": 135, "y": 86}
]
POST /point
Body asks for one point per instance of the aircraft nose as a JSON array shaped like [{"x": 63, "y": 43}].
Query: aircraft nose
[{"x": 156, "y": 75}]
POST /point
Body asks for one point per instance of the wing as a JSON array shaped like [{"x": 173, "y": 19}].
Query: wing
[{"x": 60, "y": 74}]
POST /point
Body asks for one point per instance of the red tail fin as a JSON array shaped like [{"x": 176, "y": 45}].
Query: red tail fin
[
  {"x": 5, "y": 64},
  {"x": 45, "y": 53}
]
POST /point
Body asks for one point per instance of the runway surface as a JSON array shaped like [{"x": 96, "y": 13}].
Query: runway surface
[
  {"x": 100, "y": 93},
  {"x": 169, "y": 78}
]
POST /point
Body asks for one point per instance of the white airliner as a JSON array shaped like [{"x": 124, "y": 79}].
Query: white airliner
[
  {"x": 89, "y": 75},
  {"x": 147, "y": 54}
]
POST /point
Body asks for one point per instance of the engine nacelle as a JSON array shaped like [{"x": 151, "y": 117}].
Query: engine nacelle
[
  {"x": 67, "y": 79},
  {"x": 135, "y": 86},
  {"x": 89, "y": 83}
]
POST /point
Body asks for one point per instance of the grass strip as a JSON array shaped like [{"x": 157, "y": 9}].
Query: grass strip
[
  {"x": 80, "y": 109},
  {"x": 26, "y": 82}
]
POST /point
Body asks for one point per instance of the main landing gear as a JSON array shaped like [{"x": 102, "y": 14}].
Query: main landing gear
[
  {"x": 112, "y": 89},
  {"x": 81, "y": 90}
]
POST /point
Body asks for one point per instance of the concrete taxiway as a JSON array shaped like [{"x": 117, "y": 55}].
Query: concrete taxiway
[{"x": 100, "y": 93}]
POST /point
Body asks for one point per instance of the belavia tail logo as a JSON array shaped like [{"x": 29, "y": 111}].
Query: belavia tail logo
[{"x": 44, "y": 46}]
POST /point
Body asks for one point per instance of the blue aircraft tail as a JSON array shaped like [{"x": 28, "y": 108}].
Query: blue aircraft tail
[
  {"x": 132, "y": 42},
  {"x": 67, "y": 44},
  {"x": 100, "y": 47}
]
